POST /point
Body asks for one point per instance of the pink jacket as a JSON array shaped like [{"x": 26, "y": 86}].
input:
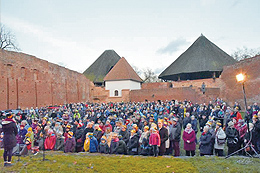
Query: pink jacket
[{"x": 155, "y": 139}]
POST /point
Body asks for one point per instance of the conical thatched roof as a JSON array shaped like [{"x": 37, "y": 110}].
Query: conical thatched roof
[
  {"x": 100, "y": 68},
  {"x": 199, "y": 61},
  {"x": 122, "y": 71}
]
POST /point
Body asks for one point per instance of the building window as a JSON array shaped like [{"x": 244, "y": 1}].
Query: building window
[{"x": 116, "y": 93}]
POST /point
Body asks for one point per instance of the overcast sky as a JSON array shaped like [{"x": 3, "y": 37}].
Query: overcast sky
[{"x": 148, "y": 33}]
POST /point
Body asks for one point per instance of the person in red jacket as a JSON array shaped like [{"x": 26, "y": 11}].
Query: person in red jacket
[
  {"x": 155, "y": 141},
  {"x": 50, "y": 140}
]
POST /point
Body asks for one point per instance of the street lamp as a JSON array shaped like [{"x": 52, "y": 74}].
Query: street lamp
[{"x": 241, "y": 79}]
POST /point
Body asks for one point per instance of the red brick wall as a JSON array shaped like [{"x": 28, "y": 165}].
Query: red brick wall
[
  {"x": 156, "y": 85},
  {"x": 27, "y": 81},
  {"x": 232, "y": 91}
]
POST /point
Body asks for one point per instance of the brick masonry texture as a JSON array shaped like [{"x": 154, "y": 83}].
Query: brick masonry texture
[{"x": 27, "y": 81}]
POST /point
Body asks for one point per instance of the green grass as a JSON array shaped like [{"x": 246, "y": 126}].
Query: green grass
[{"x": 85, "y": 162}]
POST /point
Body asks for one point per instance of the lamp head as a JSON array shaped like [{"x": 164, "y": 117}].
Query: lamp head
[{"x": 240, "y": 77}]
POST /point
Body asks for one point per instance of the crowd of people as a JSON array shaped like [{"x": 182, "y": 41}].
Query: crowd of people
[{"x": 133, "y": 128}]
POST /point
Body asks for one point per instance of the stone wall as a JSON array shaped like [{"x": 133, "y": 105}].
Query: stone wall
[
  {"x": 231, "y": 90},
  {"x": 27, "y": 81}
]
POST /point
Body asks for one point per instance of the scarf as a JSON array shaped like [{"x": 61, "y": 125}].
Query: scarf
[
  {"x": 9, "y": 119},
  {"x": 188, "y": 130}
]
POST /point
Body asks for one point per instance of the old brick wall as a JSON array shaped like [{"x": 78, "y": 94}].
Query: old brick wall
[
  {"x": 232, "y": 91},
  {"x": 181, "y": 93},
  {"x": 27, "y": 81}
]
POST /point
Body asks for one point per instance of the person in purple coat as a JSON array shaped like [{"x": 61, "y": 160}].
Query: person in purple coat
[
  {"x": 189, "y": 138},
  {"x": 70, "y": 143},
  {"x": 10, "y": 131}
]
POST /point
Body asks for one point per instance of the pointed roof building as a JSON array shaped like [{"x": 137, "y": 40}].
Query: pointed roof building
[
  {"x": 122, "y": 71},
  {"x": 100, "y": 68},
  {"x": 203, "y": 59}
]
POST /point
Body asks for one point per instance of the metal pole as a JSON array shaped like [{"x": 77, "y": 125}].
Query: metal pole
[{"x": 246, "y": 116}]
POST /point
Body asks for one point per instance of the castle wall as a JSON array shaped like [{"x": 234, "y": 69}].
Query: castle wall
[
  {"x": 231, "y": 90},
  {"x": 27, "y": 81}
]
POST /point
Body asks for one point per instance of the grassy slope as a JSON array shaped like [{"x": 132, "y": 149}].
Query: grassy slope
[{"x": 83, "y": 162}]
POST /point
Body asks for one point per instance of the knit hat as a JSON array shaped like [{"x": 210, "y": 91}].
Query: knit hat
[
  {"x": 90, "y": 135},
  {"x": 146, "y": 127},
  {"x": 80, "y": 124},
  {"x": 133, "y": 131},
  {"x": 29, "y": 140},
  {"x": 70, "y": 133},
  {"x": 68, "y": 126},
  {"x": 29, "y": 129},
  {"x": 219, "y": 124}
]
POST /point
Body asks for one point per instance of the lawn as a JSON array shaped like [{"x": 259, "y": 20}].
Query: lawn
[{"x": 85, "y": 162}]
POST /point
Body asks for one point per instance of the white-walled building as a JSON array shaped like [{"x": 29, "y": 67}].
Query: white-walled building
[{"x": 121, "y": 76}]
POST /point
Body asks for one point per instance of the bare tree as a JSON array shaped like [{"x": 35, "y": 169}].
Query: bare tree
[
  {"x": 137, "y": 70},
  {"x": 7, "y": 39},
  {"x": 243, "y": 53},
  {"x": 149, "y": 76}
]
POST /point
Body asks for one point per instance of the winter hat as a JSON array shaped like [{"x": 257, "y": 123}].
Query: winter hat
[
  {"x": 68, "y": 126},
  {"x": 29, "y": 140},
  {"x": 90, "y": 135},
  {"x": 80, "y": 125},
  {"x": 146, "y": 127},
  {"x": 70, "y": 133},
  {"x": 133, "y": 131},
  {"x": 29, "y": 129},
  {"x": 21, "y": 126},
  {"x": 219, "y": 124}
]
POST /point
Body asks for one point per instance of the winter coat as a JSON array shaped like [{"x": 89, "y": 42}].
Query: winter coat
[
  {"x": 203, "y": 122},
  {"x": 189, "y": 135},
  {"x": 113, "y": 146},
  {"x": 78, "y": 137},
  {"x": 186, "y": 120},
  {"x": 242, "y": 130},
  {"x": 167, "y": 142},
  {"x": 97, "y": 134},
  {"x": 125, "y": 136},
  {"x": 205, "y": 146},
  {"x": 133, "y": 143},
  {"x": 103, "y": 148},
  {"x": 21, "y": 136},
  {"x": 121, "y": 148},
  {"x": 50, "y": 141},
  {"x": 70, "y": 145},
  {"x": 10, "y": 131},
  {"x": 143, "y": 135},
  {"x": 194, "y": 125},
  {"x": 220, "y": 134},
  {"x": 93, "y": 145},
  {"x": 86, "y": 144},
  {"x": 154, "y": 139},
  {"x": 145, "y": 148},
  {"x": 232, "y": 137},
  {"x": 175, "y": 132}
]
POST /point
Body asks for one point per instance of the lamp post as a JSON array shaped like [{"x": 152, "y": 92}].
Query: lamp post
[{"x": 241, "y": 79}]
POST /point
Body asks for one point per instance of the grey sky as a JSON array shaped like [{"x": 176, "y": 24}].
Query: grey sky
[{"x": 148, "y": 33}]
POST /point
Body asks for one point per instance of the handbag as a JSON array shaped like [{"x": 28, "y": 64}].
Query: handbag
[{"x": 221, "y": 141}]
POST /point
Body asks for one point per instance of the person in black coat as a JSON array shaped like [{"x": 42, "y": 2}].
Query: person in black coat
[
  {"x": 164, "y": 137},
  {"x": 133, "y": 143},
  {"x": 232, "y": 137},
  {"x": 205, "y": 142},
  {"x": 10, "y": 131},
  {"x": 124, "y": 133}
]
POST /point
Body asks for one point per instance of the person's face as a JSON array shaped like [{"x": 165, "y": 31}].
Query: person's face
[
  {"x": 145, "y": 130},
  {"x": 123, "y": 129},
  {"x": 160, "y": 124},
  {"x": 205, "y": 130},
  {"x": 217, "y": 126},
  {"x": 188, "y": 127}
]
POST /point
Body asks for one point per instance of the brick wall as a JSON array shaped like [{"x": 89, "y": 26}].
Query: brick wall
[
  {"x": 232, "y": 91},
  {"x": 27, "y": 81}
]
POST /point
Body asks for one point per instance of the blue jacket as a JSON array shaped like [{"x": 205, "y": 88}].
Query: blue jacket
[{"x": 93, "y": 145}]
